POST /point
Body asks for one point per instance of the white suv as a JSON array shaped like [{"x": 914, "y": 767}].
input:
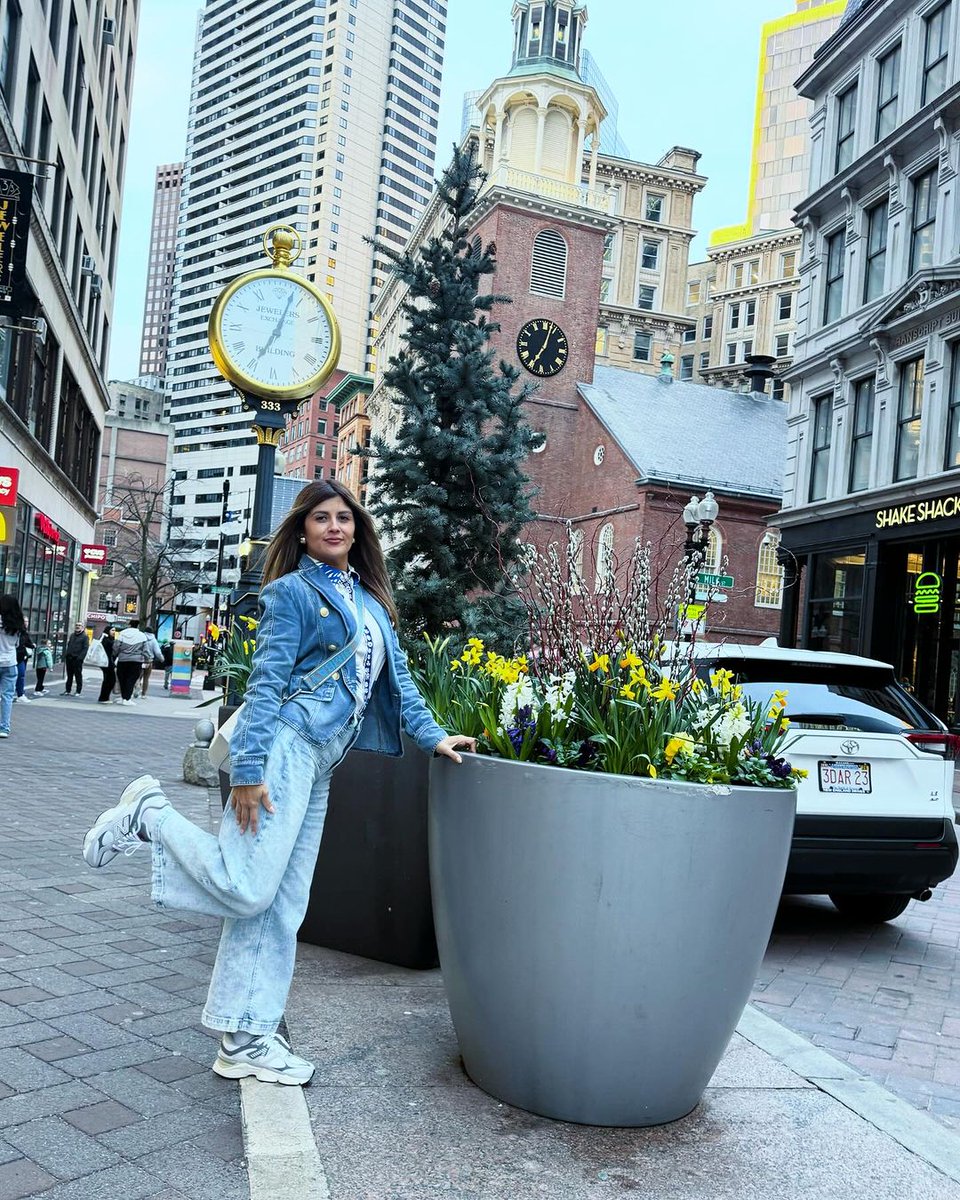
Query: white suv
[{"x": 875, "y": 818}]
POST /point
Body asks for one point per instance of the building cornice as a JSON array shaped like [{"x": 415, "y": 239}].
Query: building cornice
[
  {"x": 625, "y": 170},
  {"x": 545, "y": 205},
  {"x": 909, "y": 492},
  {"x": 925, "y": 295},
  {"x": 724, "y": 251},
  {"x": 648, "y": 321}
]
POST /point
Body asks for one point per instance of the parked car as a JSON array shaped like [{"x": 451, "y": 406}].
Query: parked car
[{"x": 875, "y": 817}]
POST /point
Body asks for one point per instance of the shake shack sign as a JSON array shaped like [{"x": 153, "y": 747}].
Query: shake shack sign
[
  {"x": 16, "y": 197},
  {"x": 943, "y": 508}
]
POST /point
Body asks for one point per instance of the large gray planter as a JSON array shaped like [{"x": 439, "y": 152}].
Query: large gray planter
[{"x": 599, "y": 935}]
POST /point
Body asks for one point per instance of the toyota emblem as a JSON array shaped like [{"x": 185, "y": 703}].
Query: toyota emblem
[{"x": 850, "y": 746}]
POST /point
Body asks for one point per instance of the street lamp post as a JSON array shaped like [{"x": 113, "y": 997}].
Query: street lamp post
[{"x": 698, "y": 516}]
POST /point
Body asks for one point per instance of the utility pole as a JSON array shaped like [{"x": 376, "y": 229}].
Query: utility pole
[{"x": 224, "y": 512}]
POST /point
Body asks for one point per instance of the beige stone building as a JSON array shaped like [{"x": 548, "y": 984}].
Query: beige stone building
[{"x": 743, "y": 297}]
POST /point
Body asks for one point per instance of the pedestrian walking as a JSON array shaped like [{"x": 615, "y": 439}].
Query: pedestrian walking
[
  {"x": 44, "y": 663},
  {"x": 12, "y": 627},
  {"x": 166, "y": 651},
  {"x": 25, "y": 650},
  {"x": 131, "y": 649},
  {"x": 103, "y": 655},
  {"x": 73, "y": 657},
  {"x": 328, "y": 674},
  {"x": 155, "y": 660}
]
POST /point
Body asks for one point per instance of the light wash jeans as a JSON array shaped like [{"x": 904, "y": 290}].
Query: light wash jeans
[
  {"x": 8, "y": 687},
  {"x": 259, "y": 884}
]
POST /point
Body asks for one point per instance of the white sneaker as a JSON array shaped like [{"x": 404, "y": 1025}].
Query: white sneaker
[
  {"x": 3, "y": 733},
  {"x": 21, "y": 700},
  {"x": 121, "y": 829},
  {"x": 268, "y": 1058},
  {"x": 129, "y": 703}
]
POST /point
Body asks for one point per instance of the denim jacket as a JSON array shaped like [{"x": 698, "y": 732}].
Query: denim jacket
[{"x": 304, "y": 621}]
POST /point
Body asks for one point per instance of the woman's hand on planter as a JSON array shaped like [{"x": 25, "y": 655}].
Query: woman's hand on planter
[
  {"x": 246, "y": 803},
  {"x": 448, "y": 747}
]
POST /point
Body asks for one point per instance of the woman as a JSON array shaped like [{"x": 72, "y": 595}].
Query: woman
[
  {"x": 25, "y": 650},
  {"x": 12, "y": 628},
  {"x": 109, "y": 672},
  {"x": 328, "y": 674}
]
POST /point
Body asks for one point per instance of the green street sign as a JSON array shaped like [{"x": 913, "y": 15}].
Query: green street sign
[
  {"x": 720, "y": 581},
  {"x": 220, "y": 589}
]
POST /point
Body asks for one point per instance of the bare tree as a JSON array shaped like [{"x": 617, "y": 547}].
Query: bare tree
[{"x": 149, "y": 554}]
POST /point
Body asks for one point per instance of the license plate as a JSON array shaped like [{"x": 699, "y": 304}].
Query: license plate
[{"x": 842, "y": 776}]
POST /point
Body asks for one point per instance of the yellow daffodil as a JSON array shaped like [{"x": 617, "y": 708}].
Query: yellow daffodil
[
  {"x": 652, "y": 771},
  {"x": 246, "y": 646},
  {"x": 681, "y": 744},
  {"x": 631, "y": 660},
  {"x": 666, "y": 689},
  {"x": 721, "y": 680},
  {"x": 601, "y": 662},
  {"x": 627, "y": 692},
  {"x": 638, "y": 677},
  {"x": 800, "y": 772},
  {"x": 456, "y": 664},
  {"x": 214, "y": 631}
]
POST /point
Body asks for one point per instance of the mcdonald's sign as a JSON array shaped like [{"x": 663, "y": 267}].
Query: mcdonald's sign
[
  {"x": 8, "y": 526},
  {"x": 9, "y": 483}
]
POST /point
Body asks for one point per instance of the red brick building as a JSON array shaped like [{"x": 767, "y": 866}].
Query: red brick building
[{"x": 309, "y": 444}]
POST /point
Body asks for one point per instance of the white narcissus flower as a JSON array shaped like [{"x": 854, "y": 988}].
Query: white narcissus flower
[{"x": 516, "y": 696}]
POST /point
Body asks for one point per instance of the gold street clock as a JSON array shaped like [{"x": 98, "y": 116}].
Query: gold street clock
[
  {"x": 542, "y": 347},
  {"x": 273, "y": 334}
]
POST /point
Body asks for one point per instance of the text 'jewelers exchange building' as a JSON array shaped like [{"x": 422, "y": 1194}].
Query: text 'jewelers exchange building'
[{"x": 871, "y": 520}]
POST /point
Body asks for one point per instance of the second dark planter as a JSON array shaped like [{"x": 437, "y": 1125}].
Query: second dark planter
[{"x": 371, "y": 886}]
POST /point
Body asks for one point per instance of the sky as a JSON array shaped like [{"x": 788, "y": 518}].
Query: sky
[{"x": 684, "y": 74}]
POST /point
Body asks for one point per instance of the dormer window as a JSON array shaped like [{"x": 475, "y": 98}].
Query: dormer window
[
  {"x": 534, "y": 42},
  {"x": 562, "y": 37}
]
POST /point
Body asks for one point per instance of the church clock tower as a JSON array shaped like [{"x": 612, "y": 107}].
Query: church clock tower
[{"x": 538, "y": 142}]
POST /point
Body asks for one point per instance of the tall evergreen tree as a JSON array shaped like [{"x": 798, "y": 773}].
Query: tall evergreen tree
[{"x": 450, "y": 492}]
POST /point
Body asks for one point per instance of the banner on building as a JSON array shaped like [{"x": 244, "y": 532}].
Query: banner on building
[
  {"x": 16, "y": 199},
  {"x": 93, "y": 556},
  {"x": 9, "y": 483}
]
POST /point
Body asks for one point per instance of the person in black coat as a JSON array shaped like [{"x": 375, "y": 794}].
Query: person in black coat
[
  {"x": 109, "y": 672},
  {"x": 77, "y": 646},
  {"x": 24, "y": 654}
]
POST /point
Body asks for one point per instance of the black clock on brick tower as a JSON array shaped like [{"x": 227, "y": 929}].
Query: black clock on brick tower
[{"x": 542, "y": 347}]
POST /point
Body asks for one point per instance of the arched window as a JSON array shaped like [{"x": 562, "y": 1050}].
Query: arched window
[
  {"x": 523, "y": 137},
  {"x": 605, "y": 559},
  {"x": 476, "y": 247},
  {"x": 556, "y": 143},
  {"x": 575, "y": 560},
  {"x": 769, "y": 573},
  {"x": 548, "y": 268}
]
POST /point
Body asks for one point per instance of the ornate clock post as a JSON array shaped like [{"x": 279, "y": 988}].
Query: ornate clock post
[{"x": 275, "y": 337}]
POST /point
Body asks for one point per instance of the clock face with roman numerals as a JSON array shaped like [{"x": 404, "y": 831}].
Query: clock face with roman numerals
[
  {"x": 542, "y": 347},
  {"x": 274, "y": 336}
]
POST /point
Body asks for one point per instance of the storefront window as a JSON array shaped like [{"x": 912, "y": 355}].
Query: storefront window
[{"x": 836, "y": 596}]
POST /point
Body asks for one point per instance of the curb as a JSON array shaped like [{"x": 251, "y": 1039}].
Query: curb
[
  {"x": 279, "y": 1146},
  {"x": 930, "y": 1141}
]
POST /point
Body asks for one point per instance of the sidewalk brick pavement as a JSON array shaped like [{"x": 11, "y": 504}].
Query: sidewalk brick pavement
[
  {"x": 884, "y": 998},
  {"x": 105, "y": 1081}
]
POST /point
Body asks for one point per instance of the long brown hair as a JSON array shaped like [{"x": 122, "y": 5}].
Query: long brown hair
[{"x": 366, "y": 554}]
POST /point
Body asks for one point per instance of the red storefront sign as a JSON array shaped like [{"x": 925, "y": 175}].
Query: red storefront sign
[
  {"x": 93, "y": 556},
  {"x": 9, "y": 482},
  {"x": 46, "y": 528}
]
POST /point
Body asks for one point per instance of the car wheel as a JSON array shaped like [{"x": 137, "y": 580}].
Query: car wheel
[{"x": 871, "y": 906}]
